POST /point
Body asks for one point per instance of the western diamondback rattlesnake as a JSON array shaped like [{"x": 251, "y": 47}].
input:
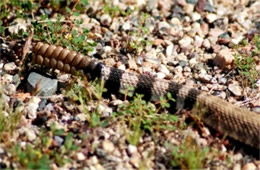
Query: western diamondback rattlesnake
[{"x": 238, "y": 123}]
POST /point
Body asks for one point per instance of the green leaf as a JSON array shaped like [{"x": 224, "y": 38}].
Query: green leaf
[
  {"x": 84, "y": 2},
  {"x": 68, "y": 10},
  {"x": 76, "y": 13}
]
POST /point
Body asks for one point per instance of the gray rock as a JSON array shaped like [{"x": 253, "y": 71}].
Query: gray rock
[
  {"x": 208, "y": 7},
  {"x": 192, "y": 1},
  {"x": 223, "y": 80},
  {"x": 256, "y": 109},
  {"x": 59, "y": 140},
  {"x": 151, "y": 5},
  {"x": 45, "y": 86},
  {"x": 183, "y": 63}
]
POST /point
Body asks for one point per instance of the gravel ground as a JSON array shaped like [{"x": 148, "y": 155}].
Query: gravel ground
[{"x": 54, "y": 120}]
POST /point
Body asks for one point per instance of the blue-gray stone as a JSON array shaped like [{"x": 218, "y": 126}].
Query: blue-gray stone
[
  {"x": 59, "y": 140},
  {"x": 183, "y": 63},
  {"x": 208, "y": 7},
  {"x": 192, "y": 1},
  {"x": 45, "y": 86}
]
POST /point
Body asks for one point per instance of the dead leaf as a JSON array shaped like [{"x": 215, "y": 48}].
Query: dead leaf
[{"x": 26, "y": 48}]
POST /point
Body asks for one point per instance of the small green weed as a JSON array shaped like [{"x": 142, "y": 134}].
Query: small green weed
[
  {"x": 115, "y": 11},
  {"x": 60, "y": 33},
  {"x": 43, "y": 152},
  {"x": 189, "y": 155},
  {"x": 246, "y": 65},
  {"x": 21, "y": 8},
  {"x": 9, "y": 116},
  {"x": 78, "y": 6},
  {"x": 31, "y": 157},
  {"x": 83, "y": 95},
  {"x": 142, "y": 116},
  {"x": 139, "y": 39}
]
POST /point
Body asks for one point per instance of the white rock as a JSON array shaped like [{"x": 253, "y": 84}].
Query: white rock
[
  {"x": 160, "y": 75},
  {"x": 7, "y": 78},
  {"x": 126, "y": 26},
  {"x": 237, "y": 157},
  {"x": 107, "y": 49},
  {"x": 193, "y": 62},
  {"x": 249, "y": 166},
  {"x": 32, "y": 107},
  {"x": 93, "y": 160},
  {"x": 198, "y": 41},
  {"x": 131, "y": 149},
  {"x": 237, "y": 39},
  {"x": 237, "y": 167},
  {"x": 2, "y": 150},
  {"x": 164, "y": 69},
  {"x": 169, "y": 50},
  {"x": 9, "y": 67},
  {"x": 17, "y": 25},
  {"x": 206, "y": 43},
  {"x": 205, "y": 77},
  {"x": 178, "y": 70},
  {"x": 224, "y": 58},
  {"x": 211, "y": 17},
  {"x": 105, "y": 19},
  {"x": 30, "y": 134},
  {"x": 10, "y": 89},
  {"x": 80, "y": 156},
  {"x": 108, "y": 146},
  {"x": 235, "y": 88},
  {"x": 105, "y": 110},
  {"x": 195, "y": 16},
  {"x": 175, "y": 21},
  {"x": 185, "y": 42},
  {"x": 81, "y": 117}
]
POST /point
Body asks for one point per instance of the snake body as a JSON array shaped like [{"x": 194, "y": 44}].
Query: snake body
[{"x": 238, "y": 123}]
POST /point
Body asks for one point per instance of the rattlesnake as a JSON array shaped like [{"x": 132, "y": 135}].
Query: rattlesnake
[{"x": 238, "y": 123}]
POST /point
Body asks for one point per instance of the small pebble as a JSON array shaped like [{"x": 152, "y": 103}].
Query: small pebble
[
  {"x": 235, "y": 88},
  {"x": 249, "y": 166},
  {"x": 59, "y": 140},
  {"x": 224, "y": 58},
  {"x": 108, "y": 146},
  {"x": 81, "y": 156},
  {"x": 10, "y": 67}
]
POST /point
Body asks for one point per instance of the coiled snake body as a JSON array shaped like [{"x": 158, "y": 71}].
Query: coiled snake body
[{"x": 238, "y": 123}]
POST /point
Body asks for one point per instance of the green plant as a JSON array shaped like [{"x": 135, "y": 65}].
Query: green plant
[
  {"x": 115, "y": 11},
  {"x": 60, "y": 33},
  {"x": 31, "y": 157},
  {"x": 9, "y": 115},
  {"x": 245, "y": 64},
  {"x": 142, "y": 116},
  {"x": 189, "y": 155},
  {"x": 247, "y": 69},
  {"x": 83, "y": 95},
  {"x": 21, "y": 8}
]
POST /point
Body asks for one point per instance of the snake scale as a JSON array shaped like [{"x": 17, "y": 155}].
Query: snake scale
[{"x": 238, "y": 123}]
